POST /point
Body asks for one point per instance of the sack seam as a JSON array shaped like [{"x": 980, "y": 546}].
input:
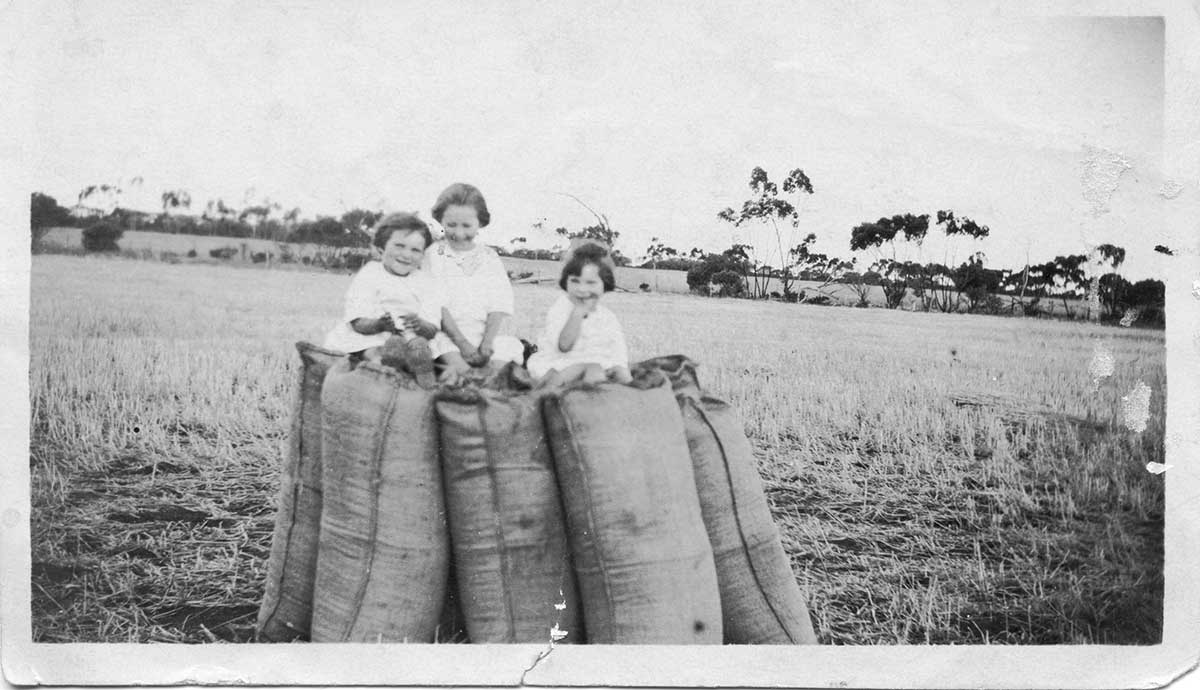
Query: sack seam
[
  {"x": 373, "y": 514},
  {"x": 481, "y": 408},
  {"x": 737, "y": 519},
  {"x": 296, "y": 444},
  {"x": 602, "y": 566}
]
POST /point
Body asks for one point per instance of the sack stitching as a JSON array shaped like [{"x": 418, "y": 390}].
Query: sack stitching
[
  {"x": 297, "y": 445},
  {"x": 587, "y": 491},
  {"x": 373, "y": 515},
  {"x": 737, "y": 518},
  {"x": 481, "y": 406}
]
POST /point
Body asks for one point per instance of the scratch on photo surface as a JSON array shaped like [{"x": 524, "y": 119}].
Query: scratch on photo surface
[
  {"x": 1170, "y": 189},
  {"x": 556, "y": 634},
  {"x": 1101, "y": 174},
  {"x": 1136, "y": 407},
  {"x": 1102, "y": 365}
]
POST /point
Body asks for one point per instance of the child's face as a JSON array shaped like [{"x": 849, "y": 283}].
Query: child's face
[
  {"x": 461, "y": 224},
  {"x": 403, "y": 252},
  {"x": 588, "y": 285}
]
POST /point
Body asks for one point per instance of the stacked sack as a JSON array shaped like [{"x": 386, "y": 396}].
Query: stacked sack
[{"x": 497, "y": 512}]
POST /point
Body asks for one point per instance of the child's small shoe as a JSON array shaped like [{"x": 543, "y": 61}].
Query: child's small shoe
[
  {"x": 418, "y": 359},
  {"x": 392, "y": 353},
  {"x": 528, "y": 350}
]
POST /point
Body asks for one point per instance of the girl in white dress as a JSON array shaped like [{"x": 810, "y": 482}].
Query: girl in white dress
[
  {"x": 392, "y": 308},
  {"x": 478, "y": 295},
  {"x": 582, "y": 339}
]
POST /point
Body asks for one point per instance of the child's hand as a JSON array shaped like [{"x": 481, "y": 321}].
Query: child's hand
[
  {"x": 584, "y": 305},
  {"x": 385, "y": 324},
  {"x": 420, "y": 326}
]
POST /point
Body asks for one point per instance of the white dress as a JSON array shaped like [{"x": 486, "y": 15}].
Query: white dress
[
  {"x": 475, "y": 284},
  {"x": 374, "y": 292},
  {"x": 601, "y": 340}
]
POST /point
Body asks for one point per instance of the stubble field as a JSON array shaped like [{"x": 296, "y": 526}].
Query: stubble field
[{"x": 935, "y": 478}]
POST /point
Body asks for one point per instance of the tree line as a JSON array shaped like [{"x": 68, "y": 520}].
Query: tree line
[
  {"x": 887, "y": 253},
  {"x": 259, "y": 221},
  {"x": 889, "y": 258}
]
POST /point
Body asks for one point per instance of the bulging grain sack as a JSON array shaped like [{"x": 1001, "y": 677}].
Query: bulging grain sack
[
  {"x": 286, "y": 611},
  {"x": 511, "y": 559},
  {"x": 679, "y": 370},
  {"x": 641, "y": 555},
  {"x": 382, "y": 565},
  {"x": 760, "y": 600}
]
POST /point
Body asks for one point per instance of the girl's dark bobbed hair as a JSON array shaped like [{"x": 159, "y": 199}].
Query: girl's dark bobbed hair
[
  {"x": 589, "y": 253},
  {"x": 400, "y": 222},
  {"x": 462, "y": 194}
]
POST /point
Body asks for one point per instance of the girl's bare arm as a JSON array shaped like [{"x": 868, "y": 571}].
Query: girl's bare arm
[{"x": 570, "y": 331}]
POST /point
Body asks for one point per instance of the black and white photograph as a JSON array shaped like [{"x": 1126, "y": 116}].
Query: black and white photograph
[{"x": 476, "y": 343}]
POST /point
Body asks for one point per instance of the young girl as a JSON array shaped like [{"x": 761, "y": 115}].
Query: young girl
[
  {"x": 393, "y": 308},
  {"x": 478, "y": 295},
  {"x": 581, "y": 338}
]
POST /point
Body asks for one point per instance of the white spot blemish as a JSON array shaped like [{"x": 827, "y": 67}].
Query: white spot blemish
[
  {"x": 1102, "y": 365},
  {"x": 1170, "y": 189},
  {"x": 1129, "y": 316},
  {"x": 1136, "y": 407},
  {"x": 1157, "y": 467},
  {"x": 1102, "y": 170}
]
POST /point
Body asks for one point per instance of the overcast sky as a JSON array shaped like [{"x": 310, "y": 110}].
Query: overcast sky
[{"x": 652, "y": 113}]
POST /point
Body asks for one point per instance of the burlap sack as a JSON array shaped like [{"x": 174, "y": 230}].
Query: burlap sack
[
  {"x": 286, "y": 610},
  {"x": 384, "y": 553},
  {"x": 679, "y": 370},
  {"x": 641, "y": 555},
  {"x": 507, "y": 532},
  {"x": 760, "y": 600}
]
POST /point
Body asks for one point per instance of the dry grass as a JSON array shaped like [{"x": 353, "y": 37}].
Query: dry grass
[{"x": 161, "y": 397}]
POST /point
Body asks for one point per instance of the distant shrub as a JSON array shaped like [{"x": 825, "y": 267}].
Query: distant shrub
[
  {"x": 706, "y": 271},
  {"x": 820, "y": 301},
  {"x": 143, "y": 254},
  {"x": 537, "y": 254},
  {"x": 102, "y": 237},
  {"x": 258, "y": 257},
  {"x": 644, "y": 287},
  {"x": 355, "y": 260},
  {"x": 223, "y": 252},
  {"x": 730, "y": 282},
  {"x": 191, "y": 254},
  {"x": 991, "y": 304},
  {"x": 169, "y": 257},
  {"x": 286, "y": 254}
]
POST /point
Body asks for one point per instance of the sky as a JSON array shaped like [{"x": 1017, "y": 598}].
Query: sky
[{"x": 651, "y": 115}]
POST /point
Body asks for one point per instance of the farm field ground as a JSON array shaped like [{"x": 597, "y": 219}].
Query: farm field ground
[{"x": 161, "y": 396}]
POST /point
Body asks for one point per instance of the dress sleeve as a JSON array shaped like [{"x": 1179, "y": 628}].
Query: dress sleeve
[
  {"x": 432, "y": 298},
  {"x": 361, "y": 297},
  {"x": 556, "y": 318},
  {"x": 499, "y": 288},
  {"x": 616, "y": 335}
]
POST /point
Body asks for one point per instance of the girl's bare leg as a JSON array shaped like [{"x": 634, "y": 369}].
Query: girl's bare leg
[
  {"x": 594, "y": 373},
  {"x": 558, "y": 377}
]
